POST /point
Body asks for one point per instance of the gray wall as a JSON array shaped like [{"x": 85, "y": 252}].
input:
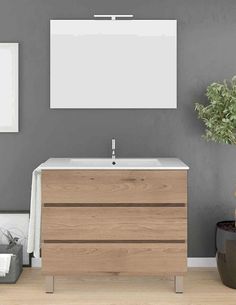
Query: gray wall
[{"x": 206, "y": 52}]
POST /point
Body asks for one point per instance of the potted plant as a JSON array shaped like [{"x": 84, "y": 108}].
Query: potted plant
[{"x": 219, "y": 117}]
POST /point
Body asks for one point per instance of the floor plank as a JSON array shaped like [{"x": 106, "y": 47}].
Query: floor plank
[{"x": 201, "y": 287}]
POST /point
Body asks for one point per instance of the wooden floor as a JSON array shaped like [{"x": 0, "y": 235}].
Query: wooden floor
[{"x": 202, "y": 287}]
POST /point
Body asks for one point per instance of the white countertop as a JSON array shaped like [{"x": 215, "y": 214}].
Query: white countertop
[{"x": 108, "y": 164}]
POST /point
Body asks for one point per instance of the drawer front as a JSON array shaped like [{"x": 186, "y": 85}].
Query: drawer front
[
  {"x": 114, "y": 223},
  {"x": 113, "y": 186},
  {"x": 150, "y": 258}
]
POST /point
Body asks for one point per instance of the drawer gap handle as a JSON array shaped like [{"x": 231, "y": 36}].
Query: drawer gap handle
[
  {"x": 170, "y": 241},
  {"x": 115, "y": 205}
]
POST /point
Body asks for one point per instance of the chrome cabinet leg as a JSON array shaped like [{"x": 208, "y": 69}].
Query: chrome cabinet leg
[
  {"x": 49, "y": 284},
  {"x": 179, "y": 284}
]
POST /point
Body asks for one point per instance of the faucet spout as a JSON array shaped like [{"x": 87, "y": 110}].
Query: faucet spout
[{"x": 113, "y": 148}]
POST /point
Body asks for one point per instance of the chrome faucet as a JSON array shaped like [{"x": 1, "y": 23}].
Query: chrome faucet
[{"x": 113, "y": 148}]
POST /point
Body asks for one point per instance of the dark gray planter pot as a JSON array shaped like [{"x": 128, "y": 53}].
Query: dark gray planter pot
[{"x": 226, "y": 252}]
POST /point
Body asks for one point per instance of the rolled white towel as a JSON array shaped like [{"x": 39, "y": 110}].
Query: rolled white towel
[{"x": 5, "y": 263}]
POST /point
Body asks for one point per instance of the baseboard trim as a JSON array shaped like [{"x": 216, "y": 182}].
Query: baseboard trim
[
  {"x": 202, "y": 262},
  {"x": 197, "y": 262}
]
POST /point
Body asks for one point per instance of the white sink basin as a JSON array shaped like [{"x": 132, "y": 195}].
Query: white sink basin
[
  {"x": 115, "y": 163},
  {"x": 109, "y": 163}
]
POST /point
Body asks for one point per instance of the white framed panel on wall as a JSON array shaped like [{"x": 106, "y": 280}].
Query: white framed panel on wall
[
  {"x": 9, "y": 87},
  {"x": 113, "y": 64}
]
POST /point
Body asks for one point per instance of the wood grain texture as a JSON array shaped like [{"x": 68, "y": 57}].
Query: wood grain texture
[
  {"x": 131, "y": 222},
  {"x": 62, "y": 259},
  {"x": 201, "y": 287},
  {"x": 114, "y": 223},
  {"x": 114, "y": 186}
]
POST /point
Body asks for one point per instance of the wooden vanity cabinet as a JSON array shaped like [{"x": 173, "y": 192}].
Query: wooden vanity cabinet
[{"x": 114, "y": 221}]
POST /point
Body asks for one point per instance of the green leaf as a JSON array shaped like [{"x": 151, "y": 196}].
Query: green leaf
[{"x": 219, "y": 115}]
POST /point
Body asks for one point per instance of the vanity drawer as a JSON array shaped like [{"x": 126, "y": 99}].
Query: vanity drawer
[
  {"x": 114, "y": 223},
  {"x": 113, "y": 186},
  {"x": 147, "y": 258}
]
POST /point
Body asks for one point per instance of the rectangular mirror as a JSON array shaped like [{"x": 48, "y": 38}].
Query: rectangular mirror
[
  {"x": 9, "y": 87},
  {"x": 113, "y": 64}
]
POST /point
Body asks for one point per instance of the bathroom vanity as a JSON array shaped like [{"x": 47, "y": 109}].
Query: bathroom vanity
[{"x": 125, "y": 216}]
